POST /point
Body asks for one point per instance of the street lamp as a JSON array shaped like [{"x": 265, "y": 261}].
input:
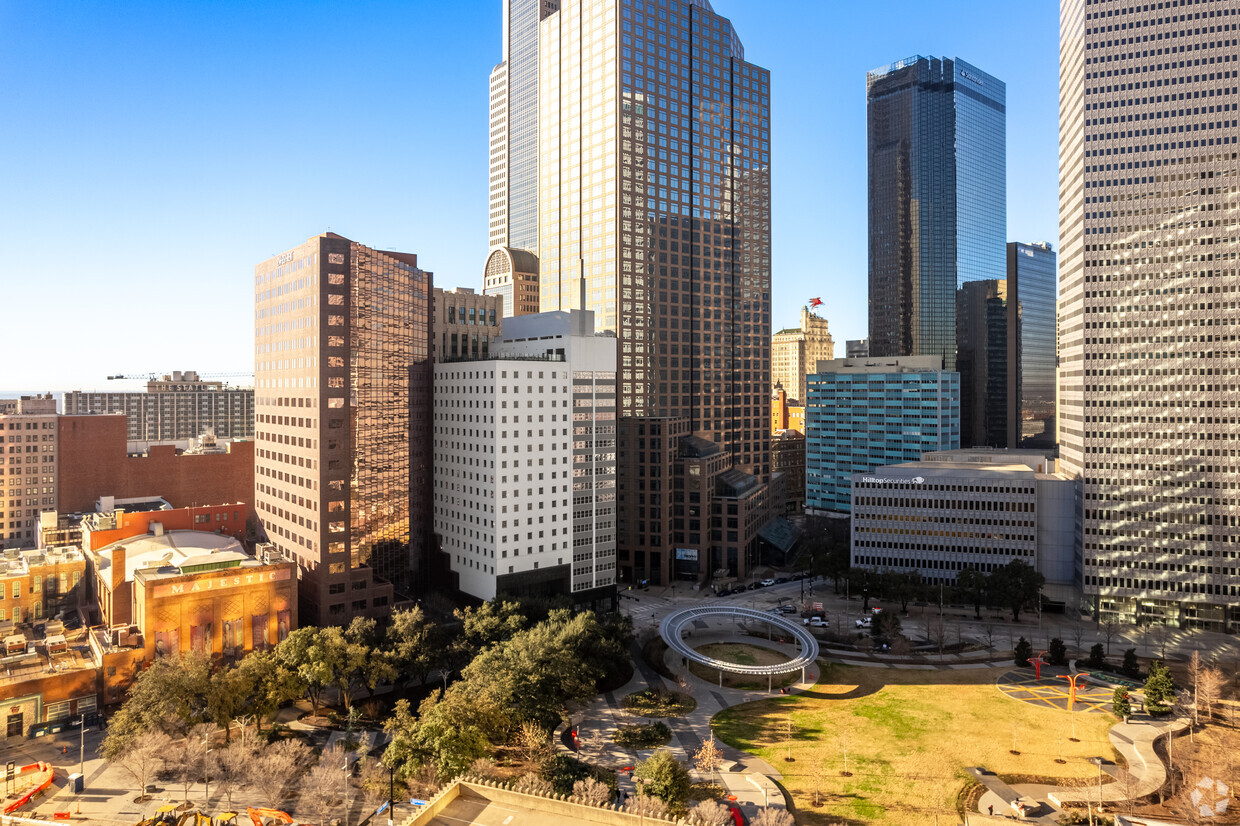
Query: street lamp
[{"x": 82, "y": 749}]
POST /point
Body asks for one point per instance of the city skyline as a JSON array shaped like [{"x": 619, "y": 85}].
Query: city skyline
[{"x": 165, "y": 140}]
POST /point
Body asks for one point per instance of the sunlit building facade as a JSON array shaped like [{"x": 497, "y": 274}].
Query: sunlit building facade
[
  {"x": 343, "y": 383},
  {"x": 1147, "y": 312}
]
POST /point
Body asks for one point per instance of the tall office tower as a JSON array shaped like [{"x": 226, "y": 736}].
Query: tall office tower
[
  {"x": 1031, "y": 345},
  {"x": 512, "y": 263},
  {"x": 1148, "y": 407},
  {"x": 342, "y": 374},
  {"x": 982, "y": 361},
  {"x": 796, "y": 351},
  {"x": 653, "y": 211},
  {"x": 938, "y": 198},
  {"x": 176, "y": 408},
  {"x": 28, "y": 437},
  {"x": 540, "y": 519}
]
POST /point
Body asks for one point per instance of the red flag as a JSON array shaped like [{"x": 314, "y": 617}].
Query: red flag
[{"x": 815, "y": 302}]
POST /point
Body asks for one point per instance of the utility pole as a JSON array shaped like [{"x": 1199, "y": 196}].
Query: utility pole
[{"x": 391, "y": 794}]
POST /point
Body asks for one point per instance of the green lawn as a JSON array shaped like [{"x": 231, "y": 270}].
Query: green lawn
[
  {"x": 742, "y": 654},
  {"x": 908, "y": 736}
]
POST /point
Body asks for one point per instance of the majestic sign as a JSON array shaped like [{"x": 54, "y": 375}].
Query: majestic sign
[{"x": 221, "y": 583}]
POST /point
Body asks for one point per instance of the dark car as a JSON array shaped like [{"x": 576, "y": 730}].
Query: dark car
[
  {"x": 754, "y": 586},
  {"x": 781, "y": 580},
  {"x": 787, "y": 609}
]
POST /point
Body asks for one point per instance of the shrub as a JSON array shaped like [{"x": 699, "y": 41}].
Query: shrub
[
  {"x": 1023, "y": 652},
  {"x": 1057, "y": 652},
  {"x": 562, "y": 772},
  {"x": 1130, "y": 666},
  {"x": 643, "y": 736},
  {"x": 1097, "y": 659},
  {"x": 1159, "y": 689},
  {"x": 1120, "y": 704}
]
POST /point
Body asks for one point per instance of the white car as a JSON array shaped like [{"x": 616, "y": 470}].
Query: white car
[
  {"x": 864, "y": 622},
  {"x": 768, "y": 582}
]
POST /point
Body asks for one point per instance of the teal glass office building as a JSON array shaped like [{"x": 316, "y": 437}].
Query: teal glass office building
[
  {"x": 862, "y": 414},
  {"x": 937, "y": 131}
]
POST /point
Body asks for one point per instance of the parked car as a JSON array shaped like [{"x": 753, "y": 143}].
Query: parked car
[
  {"x": 864, "y": 622},
  {"x": 768, "y": 582},
  {"x": 781, "y": 580},
  {"x": 786, "y": 609},
  {"x": 754, "y": 586},
  {"x": 817, "y": 622}
]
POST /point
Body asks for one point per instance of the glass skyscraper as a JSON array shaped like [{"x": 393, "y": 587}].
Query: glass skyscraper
[
  {"x": 653, "y": 210},
  {"x": 937, "y": 198},
  {"x": 1031, "y": 289}
]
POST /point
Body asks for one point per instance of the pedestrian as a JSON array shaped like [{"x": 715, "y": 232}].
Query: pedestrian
[{"x": 990, "y": 809}]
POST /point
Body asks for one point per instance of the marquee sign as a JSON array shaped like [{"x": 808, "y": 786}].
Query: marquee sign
[{"x": 220, "y": 583}]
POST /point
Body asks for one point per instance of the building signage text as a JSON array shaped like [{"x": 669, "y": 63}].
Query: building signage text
[{"x": 220, "y": 583}]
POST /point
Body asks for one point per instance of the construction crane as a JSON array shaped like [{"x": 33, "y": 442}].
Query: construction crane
[{"x": 158, "y": 376}]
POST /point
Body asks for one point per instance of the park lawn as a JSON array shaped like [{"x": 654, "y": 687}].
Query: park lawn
[
  {"x": 909, "y": 736},
  {"x": 742, "y": 654}
]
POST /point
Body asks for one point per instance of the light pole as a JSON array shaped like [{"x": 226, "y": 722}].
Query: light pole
[{"x": 82, "y": 749}]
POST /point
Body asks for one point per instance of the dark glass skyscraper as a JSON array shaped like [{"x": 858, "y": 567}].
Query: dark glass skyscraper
[
  {"x": 938, "y": 198},
  {"x": 1031, "y": 345}
]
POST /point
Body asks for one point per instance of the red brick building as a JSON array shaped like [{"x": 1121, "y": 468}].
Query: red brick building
[{"x": 94, "y": 463}]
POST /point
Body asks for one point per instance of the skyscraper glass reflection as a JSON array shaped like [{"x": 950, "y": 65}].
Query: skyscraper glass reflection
[{"x": 937, "y": 198}]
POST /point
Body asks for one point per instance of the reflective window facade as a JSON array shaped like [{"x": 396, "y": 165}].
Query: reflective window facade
[
  {"x": 342, "y": 387},
  {"x": 1149, "y": 416},
  {"x": 937, "y": 198},
  {"x": 1031, "y": 285}
]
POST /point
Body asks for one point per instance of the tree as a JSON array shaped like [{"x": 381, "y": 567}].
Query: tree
[
  {"x": 903, "y": 586},
  {"x": 232, "y": 690},
  {"x": 532, "y": 783},
  {"x": 189, "y": 755},
  {"x": 409, "y": 645},
  {"x": 272, "y": 684},
  {"x": 490, "y": 623},
  {"x": 1057, "y": 652},
  {"x": 1210, "y": 689},
  {"x": 231, "y": 768},
  {"x": 142, "y": 756},
  {"x": 1016, "y": 585},
  {"x": 315, "y": 662},
  {"x": 323, "y": 786},
  {"x": 1078, "y": 634},
  {"x": 1159, "y": 689},
  {"x": 592, "y": 791},
  {"x": 663, "y": 776},
  {"x": 1096, "y": 657},
  {"x": 534, "y": 742},
  {"x": 1120, "y": 704},
  {"x": 647, "y": 806},
  {"x": 168, "y": 696},
  {"x": 277, "y": 767},
  {"x": 1130, "y": 667},
  {"x": 347, "y": 657},
  {"x": 1023, "y": 652},
  {"x": 771, "y": 816},
  {"x": 710, "y": 813},
  {"x": 1110, "y": 629},
  {"x": 972, "y": 584},
  {"x": 707, "y": 758},
  {"x": 452, "y": 730},
  {"x": 885, "y": 625}
]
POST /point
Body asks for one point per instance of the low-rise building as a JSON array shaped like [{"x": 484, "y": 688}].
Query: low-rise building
[
  {"x": 940, "y": 517},
  {"x": 786, "y": 413},
  {"x": 866, "y": 413},
  {"x": 788, "y": 461},
  {"x": 466, "y": 324},
  {"x": 41, "y": 583}
]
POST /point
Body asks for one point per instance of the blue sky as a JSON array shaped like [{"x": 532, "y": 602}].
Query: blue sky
[{"x": 153, "y": 153}]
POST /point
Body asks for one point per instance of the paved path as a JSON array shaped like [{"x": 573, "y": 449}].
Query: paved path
[{"x": 1051, "y": 691}]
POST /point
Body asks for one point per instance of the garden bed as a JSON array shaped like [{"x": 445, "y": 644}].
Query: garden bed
[{"x": 658, "y": 702}]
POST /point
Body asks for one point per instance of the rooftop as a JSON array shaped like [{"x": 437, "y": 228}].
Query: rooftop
[{"x": 169, "y": 552}]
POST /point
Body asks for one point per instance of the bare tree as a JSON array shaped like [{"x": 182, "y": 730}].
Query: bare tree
[
  {"x": 533, "y": 742},
  {"x": 277, "y": 768},
  {"x": 143, "y": 757},
  {"x": 1194, "y": 680},
  {"x": 771, "y": 816},
  {"x": 484, "y": 767},
  {"x": 232, "y": 768},
  {"x": 424, "y": 782},
  {"x": 647, "y": 806},
  {"x": 708, "y": 757},
  {"x": 190, "y": 754},
  {"x": 1210, "y": 689},
  {"x": 1078, "y": 635},
  {"x": 710, "y": 813},
  {"x": 323, "y": 786},
  {"x": 531, "y": 783},
  {"x": 1110, "y": 630},
  {"x": 592, "y": 791},
  {"x": 1162, "y": 634},
  {"x": 989, "y": 630}
]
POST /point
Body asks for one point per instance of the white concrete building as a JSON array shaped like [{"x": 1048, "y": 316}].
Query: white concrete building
[
  {"x": 525, "y": 461},
  {"x": 939, "y": 517}
]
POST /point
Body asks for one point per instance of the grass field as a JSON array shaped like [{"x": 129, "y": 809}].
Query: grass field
[
  {"x": 908, "y": 735},
  {"x": 742, "y": 654}
]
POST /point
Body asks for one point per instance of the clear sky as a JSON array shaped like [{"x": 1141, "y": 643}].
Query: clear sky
[{"x": 152, "y": 153}]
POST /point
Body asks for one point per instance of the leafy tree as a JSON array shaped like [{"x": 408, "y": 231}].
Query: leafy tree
[
  {"x": 451, "y": 732},
  {"x": 168, "y": 696},
  {"x": 972, "y": 585},
  {"x": 563, "y": 771},
  {"x": 1057, "y": 652},
  {"x": 232, "y": 690},
  {"x": 272, "y": 684},
  {"x": 314, "y": 658},
  {"x": 1159, "y": 689},
  {"x": 886, "y": 625},
  {"x": 663, "y": 776},
  {"x": 903, "y": 586},
  {"x": 1120, "y": 704},
  {"x": 1130, "y": 667},
  {"x": 1023, "y": 652},
  {"x": 409, "y": 638},
  {"x": 1096, "y": 658},
  {"x": 1016, "y": 585},
  {"x": 490, "y": 623}
]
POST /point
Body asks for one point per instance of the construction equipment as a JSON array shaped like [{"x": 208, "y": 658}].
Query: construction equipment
[
  {"x": 257, "y": 815},
  {"x": 166, "y": 814},
  {"x": 225, "y": 819}
]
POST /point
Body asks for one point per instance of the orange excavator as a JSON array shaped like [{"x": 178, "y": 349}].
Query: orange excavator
[{"x": 259, "y": 816}]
